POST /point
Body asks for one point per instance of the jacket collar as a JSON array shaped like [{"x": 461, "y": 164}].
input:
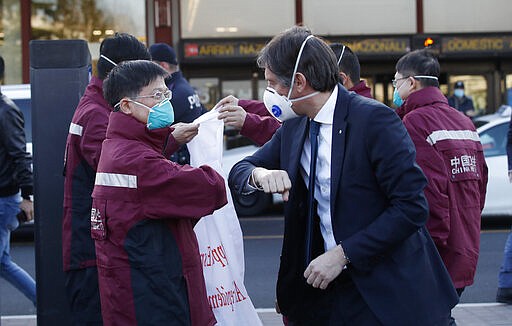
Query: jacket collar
[
  {"x": 362, "y": 89},
  {"x": 175, "y": 76},
  {"x": 124, "y": 126},
  {"x": 427, "y": 96},
  {"x": 96, "y": 88}
]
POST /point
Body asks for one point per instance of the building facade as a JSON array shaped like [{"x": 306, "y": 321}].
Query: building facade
[{"x": 218, "y": 41}]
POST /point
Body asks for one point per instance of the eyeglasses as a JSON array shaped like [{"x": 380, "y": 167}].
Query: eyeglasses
[
  {"x": 158, "y": 95},
  {"x": 393, "y": 82}
]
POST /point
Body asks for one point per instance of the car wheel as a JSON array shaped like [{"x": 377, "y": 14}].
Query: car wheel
[{"x": 252, "y": 204}]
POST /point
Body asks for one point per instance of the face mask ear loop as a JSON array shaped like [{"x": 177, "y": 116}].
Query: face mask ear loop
[
  {"x": 341, "y": 55},
  {"x": 108, "y": 59},
  {"x": 297, "y": 63}
]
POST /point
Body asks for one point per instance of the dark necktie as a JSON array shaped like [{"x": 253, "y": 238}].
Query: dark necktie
[{"x": 314, "y": 127}]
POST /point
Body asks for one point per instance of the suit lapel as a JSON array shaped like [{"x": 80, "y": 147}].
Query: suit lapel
[{"x": 339, "y": 132}]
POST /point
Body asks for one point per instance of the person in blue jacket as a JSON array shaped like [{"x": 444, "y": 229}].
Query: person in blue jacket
[
  {"x": 504, "y": 294},
  {"x": 461, "y": 101}
]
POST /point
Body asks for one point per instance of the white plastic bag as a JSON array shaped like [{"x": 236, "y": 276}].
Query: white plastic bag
[{"x": 220, "y": 237}]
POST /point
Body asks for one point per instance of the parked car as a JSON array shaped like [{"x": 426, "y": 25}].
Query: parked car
[
  {"x": 20, "y": 95},
  {"x": 255, "y": 203},
  {"x": 493, "y": 129}
]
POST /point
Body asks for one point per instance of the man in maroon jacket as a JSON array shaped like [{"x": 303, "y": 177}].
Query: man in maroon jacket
[
  {"x": 350, "y": 70},
  {"x": 86, "y": 134},
  {"x": 450, "y": 154},
  {"x": 83, "y": 146},
  {"x": 144, "y": 209}
]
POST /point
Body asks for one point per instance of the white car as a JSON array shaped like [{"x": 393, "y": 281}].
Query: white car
[
  {"x": 255, "y": 203},
  {"x": 493, "y": 131}
]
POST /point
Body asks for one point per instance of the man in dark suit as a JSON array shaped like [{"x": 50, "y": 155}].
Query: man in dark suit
[{"x": 373, "y": 262}]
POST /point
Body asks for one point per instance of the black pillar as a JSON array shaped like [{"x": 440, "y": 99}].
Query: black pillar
[{"x": 59, "y": 73}]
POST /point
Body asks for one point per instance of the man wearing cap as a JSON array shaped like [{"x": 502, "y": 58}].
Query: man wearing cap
[
  {"x": 460, "y": 101},
  {"x": 185, "y": 101}
]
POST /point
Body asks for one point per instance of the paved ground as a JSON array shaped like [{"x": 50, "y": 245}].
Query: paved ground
[{"x": 467, "y": 314}]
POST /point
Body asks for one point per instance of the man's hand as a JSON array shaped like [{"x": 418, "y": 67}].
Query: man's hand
[
  {"x": 325, "y": 268},
  {"x": 184, "y": 132},
  {"x": 233, "y": 116},
  {"x": 27, "y": 206},
  {"x": 271, "y": 181},
  {"x": 229, "y": 100}
]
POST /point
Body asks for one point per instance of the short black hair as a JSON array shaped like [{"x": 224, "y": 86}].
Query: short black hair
[
  {"x": 129, "y": 78},
  {"x": 2, "y": 68},
  {"x": 121, "y": 47},
  {"x": 420, "y": 63},
  {"x": 317, "y": 61},
  {"x": 349, "y": 63}
]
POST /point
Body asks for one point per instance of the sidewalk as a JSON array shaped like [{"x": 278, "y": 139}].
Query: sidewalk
[{"x": 466, "y": 314}]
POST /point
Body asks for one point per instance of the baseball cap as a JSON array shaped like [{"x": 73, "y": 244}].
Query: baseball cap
[
  {"x": 163, "y": 52},
  {"x": 459, "y": 84}
]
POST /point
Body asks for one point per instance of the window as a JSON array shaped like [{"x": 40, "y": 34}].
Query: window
[
  {"x": 228, "y": 18},
  {"x": 92, "y": 21},
  {"x": 494, "y": 140},
  {"x": 10, "y": 40}
]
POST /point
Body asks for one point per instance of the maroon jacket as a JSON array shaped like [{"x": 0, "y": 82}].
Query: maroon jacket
[
  {"x": 362, "y": 89},
  {"x": 259, "y": 124},
  {"x": 144, "y": 210},
  {"x": 451, "y": 156},
  {"x": 83, "y": 147}
]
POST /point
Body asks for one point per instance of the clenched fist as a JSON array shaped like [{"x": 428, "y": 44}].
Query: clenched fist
[{"x": 271, "y": 181}]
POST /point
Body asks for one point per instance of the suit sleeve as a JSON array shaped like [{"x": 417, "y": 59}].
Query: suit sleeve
[
  {"x": 267, "y": 157},
  {"x": 430, "y": 160},
  {"x": 259, "y": 125},
  {"x": 392, "y": 156}
]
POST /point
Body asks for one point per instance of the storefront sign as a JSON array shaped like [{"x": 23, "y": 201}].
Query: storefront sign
[
  {"x": 221, "y": 50},
  {"x": 378, "y": 46},
  {"x": 476, "y": 45}
]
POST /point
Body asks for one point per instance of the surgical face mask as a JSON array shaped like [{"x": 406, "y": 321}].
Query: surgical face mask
[
  {"x": 458, "y": 92},
  {"x": 397, "y": 100},
  {"x": 160, "y": 115},
  {"x": 280, "y": 106}
]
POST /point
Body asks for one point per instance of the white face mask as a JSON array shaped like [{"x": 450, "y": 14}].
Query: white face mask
[{"x": 280, "y": 106}]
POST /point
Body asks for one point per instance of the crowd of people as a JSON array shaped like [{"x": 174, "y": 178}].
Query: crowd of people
[{"x": 382, "y": 207}]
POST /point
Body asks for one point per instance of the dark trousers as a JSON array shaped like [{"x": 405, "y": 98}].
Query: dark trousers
[
  {"x": 341, "y": 305},
  {"x": 83, "y": 295}
]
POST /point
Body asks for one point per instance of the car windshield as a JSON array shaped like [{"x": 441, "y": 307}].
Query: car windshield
[
  {"x": 24, "y": 105},
  {"x": 494, "y": 140}
]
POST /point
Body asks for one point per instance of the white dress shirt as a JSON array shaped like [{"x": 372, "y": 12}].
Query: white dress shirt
[{"x": 323, "y": 168}]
